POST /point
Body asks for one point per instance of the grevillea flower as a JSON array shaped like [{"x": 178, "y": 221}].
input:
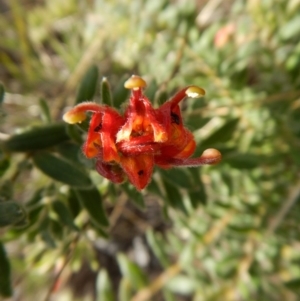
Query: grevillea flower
[{"x": 129, "y": 145}]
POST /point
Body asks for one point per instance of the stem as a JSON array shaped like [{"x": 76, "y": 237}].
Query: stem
[{"x": 286, "y": 207}]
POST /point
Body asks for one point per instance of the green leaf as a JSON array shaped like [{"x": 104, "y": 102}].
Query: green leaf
[
  {"x": 221, "y": 135},
  {"x": 154, "y": 188},
  {"x": 91, "y": 200},
  {"x": 134, "y": 195},
  {"x": 45, "y": 111},
  {"x": 6, "y": 190},
  {"x": 36, "y": 138},
  {"x": 112, "y": 192},
  {"x": 11, "y": 213},
  {"x": 34, "y": 213},
  {"x": 56, "y": 229},
  {"x": 120, "y": 94},
  {"x": 36, "y": 197},
  {"x": 75, "y": 133},
  {"x": 70, "y": 151},
  {"x": 240, "y": 229},
  {"x": 104, "y": 287},
  {"x": 33, "y": 207},
  {"x": 182, "y": 285},
  {"x": 88, "y": 85},
  {"x": 168, "y": 296},
  {"x": 152, "y": 88},
  {"x": 84, "y": 125},
  {"x": 73, "y": 203},
  {"x": 4, "y": 165},
  {"x": 61, "y": 170},
  {"x": 178, "y": 177},
  {"x": 161, "y": 96},
  {"x": 5, "y": 278},
  {"x": 157, "y": 246},
  {"x": 132, "y": 272},
  {"x": 227, "y": 267},
  {"x": 197, "y": 193},
  {"x": 125, "y": 290},
  {"x": 64, "y": 214},
  {"x": 291, "y": 28},
  {"x": 106, "y": 96},
  {"x": 244, "y": 161},
  {"x": 2, "y": 93},
  {"x": 173, "y": 196},
  {"x": 293, "y": 284},
  {"x": 44, "y": 230}
]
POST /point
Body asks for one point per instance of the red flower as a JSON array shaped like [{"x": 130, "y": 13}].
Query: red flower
[{"x": 130, "y": 145}]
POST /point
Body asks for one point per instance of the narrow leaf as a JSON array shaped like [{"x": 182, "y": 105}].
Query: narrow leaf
[
  {"x": 61, "y": 170},
  {"x": 5, "y": 278},
  {"x": 154, "y": 188},
  {"x": 197, "y": 193},
  {"x": 173, "y": 196},
  {"x": 120, "y": 94},
  {"x": 131, "y": 271},
  {"x": 134, "y": 195},
  {"x": 64, "y": 214},
  {"x": 106, "y": 96},
  {"x": 88, "y": 85},
  {"x": 4, "y": 165},
  {"x": 45, "y": 111},
  {"x": 91, "y": 200},
  {"x": 75, "y": 133},
  {"x": 125, "y": 290},
  {"x": 104, "y": 287},
  {"x": 70, "y": 151},
  {"x": 245, "y": 161},
  {"x": 178, "y": 177},
  {"x": 36, "y": 138},
  {"x": 44, "y": 230},
  {"x": 157, "y": 246},
  {"x": 73, "y": 203},
  {"x": 221, "y": 135}
]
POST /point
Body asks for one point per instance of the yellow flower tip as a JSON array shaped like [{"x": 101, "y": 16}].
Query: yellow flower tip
[
  {"x": 135, "y": 82},
  {"x": 194, "y": 92},
  {"x": 213, "y": 155},
  {"x": 74, "y": 117}
]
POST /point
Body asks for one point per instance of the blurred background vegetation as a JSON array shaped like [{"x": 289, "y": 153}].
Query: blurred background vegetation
[{"x": 228, "y": 232}]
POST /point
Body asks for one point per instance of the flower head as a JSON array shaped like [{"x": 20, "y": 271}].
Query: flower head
[{"x": 130, "y": 145}]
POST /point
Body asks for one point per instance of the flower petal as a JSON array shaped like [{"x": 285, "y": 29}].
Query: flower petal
[
  {"x": 111, "y": 171},
  {"x": 93, "y": 140},
  {"x": 101, "y": 134},
  {"x": 138, "y": 169},
  {"x": 111, "y": 123}
]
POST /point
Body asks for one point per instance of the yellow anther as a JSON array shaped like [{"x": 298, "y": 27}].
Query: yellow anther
[
  {"x": 74, "y": 117},
  {"x": 194, "y": 92},
  {"x": 135, "y": 82},
  {"x": 213, "y": 154}
]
